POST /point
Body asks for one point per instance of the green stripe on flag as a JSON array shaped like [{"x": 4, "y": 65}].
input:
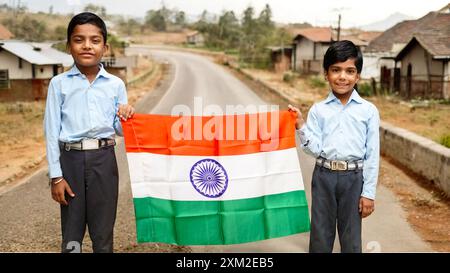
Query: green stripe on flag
[{"x": 221, "y": 222}]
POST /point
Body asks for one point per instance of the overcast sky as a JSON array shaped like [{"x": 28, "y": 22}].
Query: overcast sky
[{"x": 317, "y": 12}]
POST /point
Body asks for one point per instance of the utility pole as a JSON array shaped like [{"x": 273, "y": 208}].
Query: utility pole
[{"x": 339, "y": 28}]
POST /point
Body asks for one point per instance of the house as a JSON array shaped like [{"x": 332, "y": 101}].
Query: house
[
  {"x": 26, "y": 69},
  {"x": 309, "y": 46},
  {"x": 381, "y": 53},
  {"x": 5, "y": 34},
  {"x": 195, "y": 38},
  {"x": 280, "y": 57},
  {"x": 425, "y": 65}
]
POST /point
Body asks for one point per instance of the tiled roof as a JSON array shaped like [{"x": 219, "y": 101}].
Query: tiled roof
[
  {"x": 316, "y": 34},
  {"x": 434, "y": 24}
]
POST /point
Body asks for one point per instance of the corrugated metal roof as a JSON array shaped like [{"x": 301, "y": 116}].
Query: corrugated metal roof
[{"x": 35, "y": 53}]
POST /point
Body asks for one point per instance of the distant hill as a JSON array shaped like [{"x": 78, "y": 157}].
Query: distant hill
[{"x": 387, "y": 23}]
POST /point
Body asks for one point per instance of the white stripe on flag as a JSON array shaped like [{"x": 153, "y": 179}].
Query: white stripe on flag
[{"x": 250, "y": 175}]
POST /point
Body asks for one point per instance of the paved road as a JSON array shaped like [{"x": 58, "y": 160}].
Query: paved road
[{"x": 29, "y": 219}]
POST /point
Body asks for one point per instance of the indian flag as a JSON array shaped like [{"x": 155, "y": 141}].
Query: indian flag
[{"x": 229, "y": 179}]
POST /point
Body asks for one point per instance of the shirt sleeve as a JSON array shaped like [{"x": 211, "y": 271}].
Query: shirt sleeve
[
  {"x": 372, "y": 157},
  {"x": 310, "y": 134},
  {"x": 52, "y": 129},
  {"x": 121, "y": 99}
]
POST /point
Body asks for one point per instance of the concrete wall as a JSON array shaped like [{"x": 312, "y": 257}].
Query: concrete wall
[{"x": 421, "y": 155}]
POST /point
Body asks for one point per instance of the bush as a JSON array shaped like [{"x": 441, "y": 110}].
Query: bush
[
  {"x": 317, "y": 82},
  {"x": 365, "y": 90},
  {"x": 288, "y": 77},
  {"x": 445, "y": 140}
]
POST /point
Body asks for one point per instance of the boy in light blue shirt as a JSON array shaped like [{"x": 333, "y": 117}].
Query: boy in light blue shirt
[
  {"x": 342, "y": 133},
  {"x": 82, "y": 115}
]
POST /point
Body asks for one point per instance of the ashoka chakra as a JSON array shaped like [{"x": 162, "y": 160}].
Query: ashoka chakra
[{"x": 209, "y": 178}]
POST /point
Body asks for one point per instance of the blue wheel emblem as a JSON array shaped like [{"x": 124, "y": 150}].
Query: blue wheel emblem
[{"x": 209, "y": 178}]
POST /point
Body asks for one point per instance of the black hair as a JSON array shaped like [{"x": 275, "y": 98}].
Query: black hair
[
  {"x": 341, "y": 51},
  {"x": 86, "y": 18}
]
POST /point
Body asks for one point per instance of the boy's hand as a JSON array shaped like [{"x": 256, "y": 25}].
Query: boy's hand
[
  {"x": 300, "y": 121},
  {"x": 59, "y": 192},
  {"x": 366, "y": 206},
  {"x": 125, "y": 112}
]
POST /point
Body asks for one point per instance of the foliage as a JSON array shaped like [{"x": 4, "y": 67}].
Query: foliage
[
  {"x": 250, "y": 36},
  {"x": 99, "y": 10},
  {"x": 365, "y": 89},
  {"x": 445, "y": 140},
  {"x": 317, "y": 82}
]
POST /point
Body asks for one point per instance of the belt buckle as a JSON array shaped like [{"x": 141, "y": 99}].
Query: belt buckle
[
  {"x": 338, "y": 165},
  {"x": 89, "y": 144}
]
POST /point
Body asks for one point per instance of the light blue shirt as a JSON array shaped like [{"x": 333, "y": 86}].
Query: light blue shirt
[
  {"x": 345, "y": 132},
  {"x": 77, "y": 109}
]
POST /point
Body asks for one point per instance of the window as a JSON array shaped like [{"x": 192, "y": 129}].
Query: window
[
  {"x": 4, "y": 79},
  {"x": 20, "y": 63}
]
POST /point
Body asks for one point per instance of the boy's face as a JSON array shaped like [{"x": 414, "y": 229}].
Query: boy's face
[
  {"x": 343, "y": 76},
  {"x": 87, "y": 45}
]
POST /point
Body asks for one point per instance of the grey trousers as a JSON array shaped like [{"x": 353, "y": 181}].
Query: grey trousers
[
  {"x": 93, "y": 177},
  {"x": 335, "y": 198}
]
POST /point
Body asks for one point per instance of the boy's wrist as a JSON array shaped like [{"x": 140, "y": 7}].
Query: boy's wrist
[{"x": 56, "y": 180}]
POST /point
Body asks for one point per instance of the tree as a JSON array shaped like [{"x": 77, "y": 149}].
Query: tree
[
  {"x": 99, "y": 10},
  {"x": 156, "y": 20},
  {"x": 180, "y": 18}
]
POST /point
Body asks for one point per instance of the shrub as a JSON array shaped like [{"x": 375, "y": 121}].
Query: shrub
[
  {"x": 364, "y": 89},
  {"x": 445, "y": 140},
  {"x": 317, "y": 82}
]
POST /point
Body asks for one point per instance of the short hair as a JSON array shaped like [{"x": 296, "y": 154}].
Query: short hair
[
  {"x": 341, "y": 51},
  {"x": 87, "y": 18}
]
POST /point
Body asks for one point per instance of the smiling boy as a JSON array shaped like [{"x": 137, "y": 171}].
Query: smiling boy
[
  {"x": 342, "y": 133},
  {"x": 82, "y": 115}
]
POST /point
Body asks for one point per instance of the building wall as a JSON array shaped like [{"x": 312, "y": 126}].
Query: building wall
[
  {"x": 418, "y": 85},
  {"x": 446, "y": 94},
  {"x": 44, "y": 72},
  {"x": 418, "y": 57},
  {"x": 304, "y": 51},
  {"x": 10, "y": 62},
  {"x": 25, "y": 90}
]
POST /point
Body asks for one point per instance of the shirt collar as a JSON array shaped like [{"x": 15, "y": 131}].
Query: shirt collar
[
  {"x": 102, "y": 72},
  {"x": 354, "y": 96}
]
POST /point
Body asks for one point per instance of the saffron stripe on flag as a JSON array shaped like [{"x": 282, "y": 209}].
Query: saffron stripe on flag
[
  {"x": 221, "y": 222},
  {"x": 249, "y": 133}
]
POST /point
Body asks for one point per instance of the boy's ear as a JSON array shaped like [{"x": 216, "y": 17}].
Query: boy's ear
[
  {"x": 106, "y": 48},
  {"x": 325, "y": 75}
]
